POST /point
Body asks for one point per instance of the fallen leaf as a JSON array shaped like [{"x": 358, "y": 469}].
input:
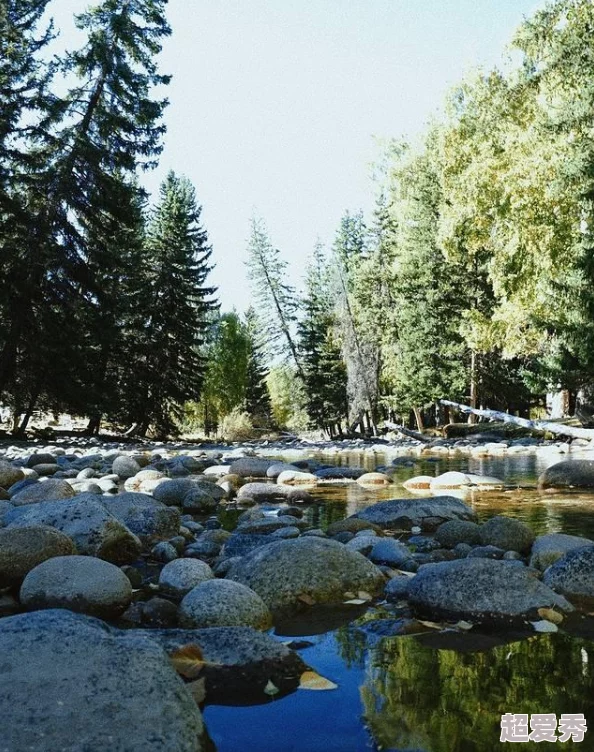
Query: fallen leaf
[
  {"x": 271, "y": 689},
  {"x": 188, "y": 661},
  {"x": 350, "y": 595},
  {"x": 312, "y": 680},
  {"x": 406, "y": 574},
  {"x": 431, "y": 624},
  {"x": 198, "y": 690},
  {"x": 355, "y": 602},
  {"x": 465, "y": 625},
  {"x": 544, "y": 626},
  {"x": 307, "y": 599},
  {"x": 364, "y": 595},
  {"x": 550, "y": 615}
]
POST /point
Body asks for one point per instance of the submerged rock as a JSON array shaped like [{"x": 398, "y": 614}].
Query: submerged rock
[
  {"x": 69, "y": 683},
  {"x": 426, "y": 513},
  {"x": 481, "y": 590},
  {"x": 319, "y": 570}
]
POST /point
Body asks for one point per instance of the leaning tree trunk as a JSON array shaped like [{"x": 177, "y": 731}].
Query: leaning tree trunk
[{"x": 533, "y": 425}]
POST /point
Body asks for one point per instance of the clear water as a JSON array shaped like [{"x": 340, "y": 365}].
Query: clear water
[{"x": 430, "y": 692}]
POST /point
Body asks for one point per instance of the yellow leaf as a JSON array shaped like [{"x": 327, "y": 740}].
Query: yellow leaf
[
  {"x": 349, "y": 595},
  {"x": 271, "y": 689},
  {"x": 550, "y": 615},
  {"x": 198, "y": 690},
  {"x": 312, "y": 680},
  {"x": 355, "y": 602},
  {"x": 465, "y": 625},
  {"x": 431, "y": 624},
  {"x": 364, "y": 595},
  {"x": 188, "y": 661},
  {"x": 307, "y": 599}
]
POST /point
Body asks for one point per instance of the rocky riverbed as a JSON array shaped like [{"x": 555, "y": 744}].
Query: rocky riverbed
[{"x": 141, "y": 586}]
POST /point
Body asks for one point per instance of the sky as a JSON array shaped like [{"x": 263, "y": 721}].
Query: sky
[{"x": 279, "y": 107}]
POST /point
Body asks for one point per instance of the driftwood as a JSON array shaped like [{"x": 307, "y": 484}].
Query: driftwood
[
  {"x": 407, "y": 432},
  {"x": 533, "y": 425}
]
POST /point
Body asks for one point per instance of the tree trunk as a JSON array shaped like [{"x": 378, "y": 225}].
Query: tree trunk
[
  {"x": 406, "y": 432},
  {"x": 473, "y": 388},
  {"x": 534, "y": 425},
  {"x": 418, "y": 419}
]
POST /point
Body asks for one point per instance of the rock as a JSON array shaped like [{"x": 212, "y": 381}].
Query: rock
[
  {"x": 259, "y": 492},
  {"x": 426, "y": 513},
  {"x": 269, "y": 525},
  {"x": 40, "y": 458},
  {"x": 164, "y": 552},
  {"x": 199, "y": 500},
  {"x": 285, "y": 533},
  {"x": 486, "y": 552},
  {"x": 296, "y": 478},
  {"x": 203, "y": 549},
  {"x": 223, "y": 603},
  {"x": 159, "y": 612},
  {"x": 481, "y": 590},
  {"x": 457, "y": 531},
  {"x": 144, "y": 481},
  {"x": 78, "y": 583},
  {"x": 89, "y": 689},
  {"x": 85, "y": 519},
  {"x": 280, "y": 467},
  {"x": 319, "y": 569},
  {"x": 419, "y": 482},
  {"x": 49, "y": 490},
  {"x": 352, "y": 525},
  {"x": 9, "y": 474},
  {"x": 451, "y": 479},
  {"x": 507, "y": 533},
  {"x": 568, "y": 474},
  {"x": 179, "y": 577},
  {"x": 340, "y": 473},
  {"x": 548, "y": 548},
  {"x": 397, "y": 588},
  {"x": 240, "y": 544},
  {"x": 374, "y": 479},
  {"x": 251, "y": 467},
  {"x": 239, "y": 661},
  {"x": 147, "y": 518},
  {"x": 125, "y": 467},
  {"x": 193, "y": 496},
  {"x": 23, "y": 549},
  {"x": 46, "y": 469},
  {"x": 573, "y": 574},
  {"x": 389, "y": 552},
  {"x": 363, "y": 544}
]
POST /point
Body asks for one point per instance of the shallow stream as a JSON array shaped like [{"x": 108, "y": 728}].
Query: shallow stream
[{"x": 433, "y": 692}]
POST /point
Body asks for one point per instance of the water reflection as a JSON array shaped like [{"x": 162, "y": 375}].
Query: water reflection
[{"x": 415, "y": 696}]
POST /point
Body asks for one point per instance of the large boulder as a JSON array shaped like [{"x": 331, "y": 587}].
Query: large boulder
[
  {"x": 68, "y": 683},
  {"x": 426, "y": 513},
  {"x": 481, "y": 590},
  {"x": 182, "y": 575},
  {"x": 40, "y": 458},
  {"x": 507, "y": 533},
  {"x": 251, "y": 467},
  {"x": 78, "y": 583},
  {"x": 548, "y": 548},
  {"x": 568, "y": 474},
  {"x": 573, "y": 575},
  {"x": 9, "y": 474},
  {"x": 47, "y": 490},
  {"x": 147, "y": 518},
  {"x": 224, "y": 603},
  {"x": 94, "y": 530},
  {"x": 260, "y": 492},
  {"x": 318, "y": 569},
  {"x": 23, "y": 549},
  {"x": 196, "y": 497}
]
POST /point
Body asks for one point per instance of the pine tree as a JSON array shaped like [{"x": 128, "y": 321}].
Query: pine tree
[
  {"x": 323, "y": 367},
  {"x": 257, "y": 397},
  {"x": 91, "y": 142},
  {"x": 172, "y": 368},
  {"x": 276, "y": 302}
]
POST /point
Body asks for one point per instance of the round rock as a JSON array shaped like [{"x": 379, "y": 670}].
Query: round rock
[
  {"x": 78, "y": 583},
  {"x": 507, "y": 533},
  {"x": 182, "y": 575},
  {"x": 223, "y": 603},
  {"x": 21, "y": 550},
  {"x": 573, "y": 575}
]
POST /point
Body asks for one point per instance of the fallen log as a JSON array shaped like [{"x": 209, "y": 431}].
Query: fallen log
[
  {"x": 407, "y": 432},
  {"x": 534, "y": 425}
]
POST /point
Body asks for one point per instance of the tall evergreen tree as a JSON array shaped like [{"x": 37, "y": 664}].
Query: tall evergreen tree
[
  {"x": 257, "y": 397},
  {"x": 91, "y": 143},
  {"x": 172, "y": 368}
]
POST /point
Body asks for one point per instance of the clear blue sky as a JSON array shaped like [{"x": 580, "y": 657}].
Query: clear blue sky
[{"x": 275, "y": 105}]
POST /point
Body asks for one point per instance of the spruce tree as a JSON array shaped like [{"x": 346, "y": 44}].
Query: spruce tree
[
  {"x": 172, "y": 368},
  {"x": 257, "y": 397}
]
